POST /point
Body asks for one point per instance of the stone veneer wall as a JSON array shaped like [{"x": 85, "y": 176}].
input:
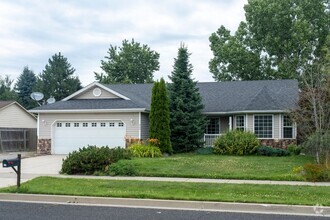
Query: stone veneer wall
[
  {"x": 44, "y": 146},
  {"x": 278, "y": 143}
]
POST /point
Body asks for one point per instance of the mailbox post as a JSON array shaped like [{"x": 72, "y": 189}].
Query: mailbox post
[{"x": 13, "y": 163}]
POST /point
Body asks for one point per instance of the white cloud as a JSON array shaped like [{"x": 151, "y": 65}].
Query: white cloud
[{"x": 32, "y": 31}]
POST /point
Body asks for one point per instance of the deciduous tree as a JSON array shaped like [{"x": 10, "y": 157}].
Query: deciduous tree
[
  {"x": 279, "y": 40},
  {"x": 130, "y": 63}
]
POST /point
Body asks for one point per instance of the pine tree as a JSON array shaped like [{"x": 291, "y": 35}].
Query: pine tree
[
  {"x": 57, "y": 79},
  {"x": 159, "y": 117},
  {"x": 186, "y": 120},
  {"x": 24, "y": 87}
]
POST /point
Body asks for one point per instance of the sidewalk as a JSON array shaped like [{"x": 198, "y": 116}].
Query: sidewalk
[{"x": 196, "y": 180}]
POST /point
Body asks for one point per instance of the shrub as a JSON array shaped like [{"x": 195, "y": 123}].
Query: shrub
[
  {"x": 294, "y": 149},
  {"x": 236, "y": 143},
  {"x": 315, "y": 172},
  {"x": 140, "y": 150},
  {"x": 205, "y": 150},
  {"x": 122, "y": 168},
  {"x": 270, "y": 151},
  {"x": 92, "y": 159}
]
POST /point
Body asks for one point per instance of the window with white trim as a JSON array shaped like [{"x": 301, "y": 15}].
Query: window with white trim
[
  {"x": 213, "y": 126},
  {"x": 240, "y": 122},
  {"x": 102, "y": 124},
  {"x": 94, "y": 124},
  {"x": 85, "y": 124},
  {"x": 112, "y": 124},
  {"x": 59, "y": 124},
  {"x": 76, "y": 124},
  {"x": 263, "y": 126},
  {"x": 120, "y": 124},
  {"x": 67, "y": 125},
  {"x": 287, "y": 127}
]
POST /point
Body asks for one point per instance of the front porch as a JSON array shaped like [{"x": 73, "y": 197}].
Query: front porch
[{"x": 217, "y": 125}]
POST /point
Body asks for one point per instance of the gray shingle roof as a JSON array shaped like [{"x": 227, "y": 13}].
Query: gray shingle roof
[{"x": 237, "y": 96}]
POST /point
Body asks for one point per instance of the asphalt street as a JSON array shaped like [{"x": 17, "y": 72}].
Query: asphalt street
[{"x": 41, "y": 211}]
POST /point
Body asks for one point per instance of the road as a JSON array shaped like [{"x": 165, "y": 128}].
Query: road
[{"x": 41, "y": 211}]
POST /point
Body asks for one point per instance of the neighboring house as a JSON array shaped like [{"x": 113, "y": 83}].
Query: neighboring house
[
  {"x": 110, "y": 114},
  {"x": 18, "y": 127}
]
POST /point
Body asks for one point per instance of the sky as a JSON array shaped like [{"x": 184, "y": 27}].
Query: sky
[{"x": 32, "y": 31}]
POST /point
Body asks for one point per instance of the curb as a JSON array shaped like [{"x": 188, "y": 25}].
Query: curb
[{"x": 171, "y": 204}]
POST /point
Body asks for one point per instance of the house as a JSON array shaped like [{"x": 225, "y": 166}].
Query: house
[
  {"x": 102, "y": 114},
  {"x": 18, "y": 127}
]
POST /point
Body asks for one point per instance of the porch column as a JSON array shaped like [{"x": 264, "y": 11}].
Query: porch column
[{"x": 230, "y": 123}]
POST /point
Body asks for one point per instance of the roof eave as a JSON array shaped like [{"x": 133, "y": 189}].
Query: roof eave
[
  {"x": 90, "y": 110},
  {"x": 245, "y": 112}
]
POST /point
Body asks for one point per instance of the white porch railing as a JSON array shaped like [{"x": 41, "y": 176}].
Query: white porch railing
[{"x": 209, "y": 139}]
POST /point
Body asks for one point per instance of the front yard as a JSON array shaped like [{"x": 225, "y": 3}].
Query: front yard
[{"x": 219, "y": 166}]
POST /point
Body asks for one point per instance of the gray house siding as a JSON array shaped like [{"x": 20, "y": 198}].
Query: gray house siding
[{"x": 144, "y": 126}]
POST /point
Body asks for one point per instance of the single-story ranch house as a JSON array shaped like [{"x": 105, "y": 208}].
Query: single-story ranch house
[{"x": 102, "y": 114}]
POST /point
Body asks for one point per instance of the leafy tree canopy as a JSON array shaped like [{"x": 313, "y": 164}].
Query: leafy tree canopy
[
  {"x": 25, "y": 86},
  {"x": 57, "y": 79},
  {"x": 130, "y": 63},
  {"x": 277, "y": 41}
]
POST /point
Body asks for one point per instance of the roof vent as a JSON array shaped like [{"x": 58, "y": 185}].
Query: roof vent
[{"x": 97, "y": 92}]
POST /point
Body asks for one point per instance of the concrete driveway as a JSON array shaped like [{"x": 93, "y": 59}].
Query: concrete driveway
[{"x": 31, "y": 167}]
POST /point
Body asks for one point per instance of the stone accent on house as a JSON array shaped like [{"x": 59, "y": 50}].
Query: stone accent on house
[
  {"x": 44, "y": 146},
  {"x": 278, "y": 143}
]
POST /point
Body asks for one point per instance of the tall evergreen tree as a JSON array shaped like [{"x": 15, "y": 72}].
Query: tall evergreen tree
[
  {"x": 57, "y": 79},
  {"x": 24, "y": 87},
  {"x": 186, "y": 120},
  {"x": 159, "y": 117},
  {"x": 6, "y": 91}
]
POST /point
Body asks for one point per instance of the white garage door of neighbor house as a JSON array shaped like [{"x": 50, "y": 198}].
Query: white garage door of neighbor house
[{"x": 72, "y": 135}]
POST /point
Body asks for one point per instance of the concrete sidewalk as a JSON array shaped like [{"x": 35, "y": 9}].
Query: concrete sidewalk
[{"x": 197, "y": 180}]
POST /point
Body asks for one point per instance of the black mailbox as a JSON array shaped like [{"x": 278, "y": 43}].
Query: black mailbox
[{"x": 11, "y": 162}]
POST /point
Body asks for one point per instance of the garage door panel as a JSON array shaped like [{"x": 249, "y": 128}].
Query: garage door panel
[{"x": 69, "y": 136}]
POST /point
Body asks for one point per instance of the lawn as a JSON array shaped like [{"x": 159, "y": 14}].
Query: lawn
[
  {"x": 219, "y": 166},
  {"x": 276, "y": 194}
]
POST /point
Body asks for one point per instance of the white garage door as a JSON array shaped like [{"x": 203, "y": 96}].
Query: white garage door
[{"x": 72, "y": 135}]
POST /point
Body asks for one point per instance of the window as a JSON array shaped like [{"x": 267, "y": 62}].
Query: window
[
  {"x": 102, "y": 124},
  {"x": 93, "y": 124},
  {"x": 112, "y": 124},
  {"x": 67, "y": 125},
  {"x": 85, "y": 124},
  {"x": 76, "y": 124},
  {"x": 213, "y": 126},
  {"x": 287, "y": 127},
  {"x": 263, "y": 126},
  {"x": 121, "y": 124},
  {"x": 59, "y": 125},
  {"x": 240, "y": 125}
]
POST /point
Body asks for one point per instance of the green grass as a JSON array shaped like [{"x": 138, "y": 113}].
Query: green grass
[
  {"x": 219, "y": 166},
  {"x": 276, "y": 194}
]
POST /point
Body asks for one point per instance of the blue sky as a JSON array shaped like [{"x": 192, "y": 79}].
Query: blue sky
[{"x": 82, "y": 30}]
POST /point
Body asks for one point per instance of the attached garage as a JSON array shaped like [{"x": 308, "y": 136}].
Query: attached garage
[{"x": 72, "y": 135}]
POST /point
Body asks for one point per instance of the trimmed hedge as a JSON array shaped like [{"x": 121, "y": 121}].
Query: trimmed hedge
[
  {"x": 236, "y": 143},
  {"x": 270, "y": 151},
  {"x": 91, "y": 159}
]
